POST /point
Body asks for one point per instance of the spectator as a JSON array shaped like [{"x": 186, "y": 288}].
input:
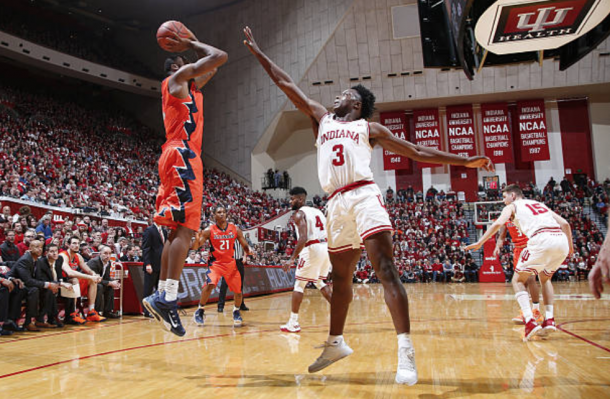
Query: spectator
[
  {"x": 8, "y": 250},
  {"x": 45, "y": 227},
  {"x": 49, "y": 271},
  {"x": 104, "y": 300}
]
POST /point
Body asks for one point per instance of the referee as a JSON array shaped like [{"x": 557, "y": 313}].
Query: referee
[{"x": 238, "y": 254}]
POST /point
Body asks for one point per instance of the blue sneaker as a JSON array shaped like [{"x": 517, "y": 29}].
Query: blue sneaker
[
  {"x": 199, "y": 316},
  {"x": 147, "y": 302},
  {"x": 237, "y": 320},
  {"x": 167, "y": 312}
]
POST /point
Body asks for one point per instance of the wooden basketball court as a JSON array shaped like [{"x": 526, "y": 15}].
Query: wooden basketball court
[{"x": 465, "y": 345}]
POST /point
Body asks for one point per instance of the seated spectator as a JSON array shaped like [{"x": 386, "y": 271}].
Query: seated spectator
[
  {"x": 447, "y": 270},
  {"x": 28, "y": 237},
  {"x": 49, "y": 271},
  {"x": 8, "y": 250},
  {"x": 45, "y": 227},
  {"x": 101, "y": 265}
]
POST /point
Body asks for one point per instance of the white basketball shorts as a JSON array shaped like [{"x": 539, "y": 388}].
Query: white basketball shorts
[
  {"x": 355, "y": 215},
  {"x": 314, "y": 263},
  {"x": 544, "y": 253}
]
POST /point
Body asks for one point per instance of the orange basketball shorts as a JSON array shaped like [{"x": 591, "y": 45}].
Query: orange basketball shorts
[
  {"x": 228, "y": 271},
  {"x": 181, "y": 190}
]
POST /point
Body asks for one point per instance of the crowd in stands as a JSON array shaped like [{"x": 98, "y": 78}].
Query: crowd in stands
[
  {"x": 276, "y": 179},
  {"x": 67, "y": 35}
]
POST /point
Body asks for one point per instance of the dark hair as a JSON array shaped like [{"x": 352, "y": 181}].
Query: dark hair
[
  {"x": 368, "y": 101},
  {"x": 217, "y": 207},
  {"x": 513, "y": 188},
  {"x": 298, "y": 191},
  {"x": 73, "y": 238},
  {"x": 51, "y": 245},
  {"x": 169, "y": 61}
]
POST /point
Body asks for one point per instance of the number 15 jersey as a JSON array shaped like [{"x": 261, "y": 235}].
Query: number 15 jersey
[
  {"x": 223, "y": 244},
  {"x": 531, "y": 216},
  {"x": 344, "y": 152}
]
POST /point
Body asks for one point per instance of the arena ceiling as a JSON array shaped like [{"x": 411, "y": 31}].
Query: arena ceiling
[{"x": 134, "y": 14}]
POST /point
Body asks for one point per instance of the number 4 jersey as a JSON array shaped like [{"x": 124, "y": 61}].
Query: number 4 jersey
[
  {"x": 316, "y": 224},
  {"x": 532, "y": 216},
  {"x": 344, "y": 152},
  {"x": 223, "y": 242}
]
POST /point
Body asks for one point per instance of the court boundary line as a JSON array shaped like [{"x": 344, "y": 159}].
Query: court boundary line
[{"x": 560, "y": 328}]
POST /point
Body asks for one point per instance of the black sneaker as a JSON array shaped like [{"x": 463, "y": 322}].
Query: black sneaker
[
  {"x": 199, "y": 316},
  {"x": 221, "y": 309},
  {"x": 5, "y": 332},
  {"x": 167, "y": 311},
  {"x": 244, "y": 307},
  {"x": 10, "y": 325}
]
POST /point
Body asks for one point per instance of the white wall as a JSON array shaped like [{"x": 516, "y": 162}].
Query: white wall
[
  {"x": 600, "y": 138},
  {"x": 383, "y": 178}
]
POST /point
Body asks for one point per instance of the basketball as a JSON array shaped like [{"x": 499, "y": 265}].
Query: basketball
[{"x": 169, "y": 30}]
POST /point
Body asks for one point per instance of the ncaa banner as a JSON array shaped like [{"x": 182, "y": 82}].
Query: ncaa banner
[
  {"x": 427, "y": 131},
  {"x": 533, "y": 137},
  {"x": 396, "y": 122},
  {"x": 460, "y": 130},
  {"x": 518, "y": 26},
  {"x": 496, "y": 132}
]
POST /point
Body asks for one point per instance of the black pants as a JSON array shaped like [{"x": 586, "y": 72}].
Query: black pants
[
  {"x": 223, "y": 285},
  {"x": 4, "y": 300},
  {"x": 32, "y": 301},
  {"x": 104, "y": 301},
  {"x": 151, "y": 282},
  {"x": 48, "y": 305}
]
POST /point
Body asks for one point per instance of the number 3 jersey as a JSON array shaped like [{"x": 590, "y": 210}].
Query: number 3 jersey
[
  {"x": 532, "y": 216},
  {"x": 316, "y": 224},
  {"x": 344, "y": 152},
  {"x": 223, "y": 242}
]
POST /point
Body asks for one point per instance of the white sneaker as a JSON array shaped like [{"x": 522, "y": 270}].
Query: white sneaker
[
  {"x": 291, "y": 327},
  {"x": 406, "y": 372},
  {"x": 330, "y": 354}
]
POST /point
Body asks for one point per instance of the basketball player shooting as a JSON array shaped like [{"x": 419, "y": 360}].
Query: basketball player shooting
[
  {"x": 549, "y": 242},
  {"x": 180, "y": 195},
  {"x": 356, "y": 213}
]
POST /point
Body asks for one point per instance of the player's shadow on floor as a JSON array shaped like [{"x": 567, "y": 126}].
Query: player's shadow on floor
[{"x": 460, "y": 387}]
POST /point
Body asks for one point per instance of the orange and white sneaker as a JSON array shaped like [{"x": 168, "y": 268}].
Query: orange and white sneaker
[
  {"x": 548, "y": 327},
  {"x": 519, "y": 319},
  {"x": 75, "y": 319},
  {"x": 95, "y": 316},
  {"x": 537, "y": 316}
]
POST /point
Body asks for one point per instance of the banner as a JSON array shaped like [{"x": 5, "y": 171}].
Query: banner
[
  {"x": 531, "y": 119},
  {"x": 259, "y": 280},
  {"x": 496, "y": 132},
  {"x": 396, "y": 122},
  {"x": 460, "y": 130},
  {"x": 427, "y": 131},
  {"x": 491, "y": 271}
]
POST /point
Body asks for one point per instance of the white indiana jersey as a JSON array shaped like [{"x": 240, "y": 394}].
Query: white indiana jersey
[
  {"x": 531, "y": 216},
  {"x": 316, "y": 223},
  {"x": 344, "y": 152}
]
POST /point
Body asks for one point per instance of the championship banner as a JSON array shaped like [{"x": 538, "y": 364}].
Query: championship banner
[
  {"x": 534, "y": 143},
  {"x": 259, "y": 280},
  {"x": 396, "y": 122},
  {"x": 491, "y": 271},
  {"x": 496, "y": 132},
  {"x": 460, "y": 130},
  {"x": 427, "y": 131}
]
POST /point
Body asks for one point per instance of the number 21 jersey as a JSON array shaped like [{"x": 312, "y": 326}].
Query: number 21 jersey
[
  {"x": 344, "y": 152},
  {"x": 223, "y": 242}
]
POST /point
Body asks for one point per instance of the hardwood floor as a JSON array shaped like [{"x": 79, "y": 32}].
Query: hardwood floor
[{"x": 466, "y": 346}]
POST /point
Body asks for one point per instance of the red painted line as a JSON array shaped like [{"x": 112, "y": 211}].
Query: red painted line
[{"x": 583, "y": 338}]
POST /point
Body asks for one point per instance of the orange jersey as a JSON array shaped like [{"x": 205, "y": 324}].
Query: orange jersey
[
  {"x": 183, "y": 117},
  {"x": 223, "y": 244},
  {"x": 519, "y": 239},
  {"x": 180, "y": 168}
]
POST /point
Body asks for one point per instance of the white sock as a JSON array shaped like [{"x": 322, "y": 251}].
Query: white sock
[
  {"x": 524, "y": 302},
  {"x": 549, "y": 311},
  {"x": 294, "y": 317},
  {"x": 335, "y": 339},
  {"x": 404, "y": 340},
  {"x": 171, "y": 289},
  {"x": 235, "y": 308},
  {"x": 201, "y": 306},
  {"x": 161, "y": 287},
  {"x": 91, "y": 307},
  {"x": 536, "y": 306}
]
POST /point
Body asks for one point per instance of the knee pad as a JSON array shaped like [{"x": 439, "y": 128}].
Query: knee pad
[
  {"x": 299, "y": 286},
  {"x": 319, "y": 284}
]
